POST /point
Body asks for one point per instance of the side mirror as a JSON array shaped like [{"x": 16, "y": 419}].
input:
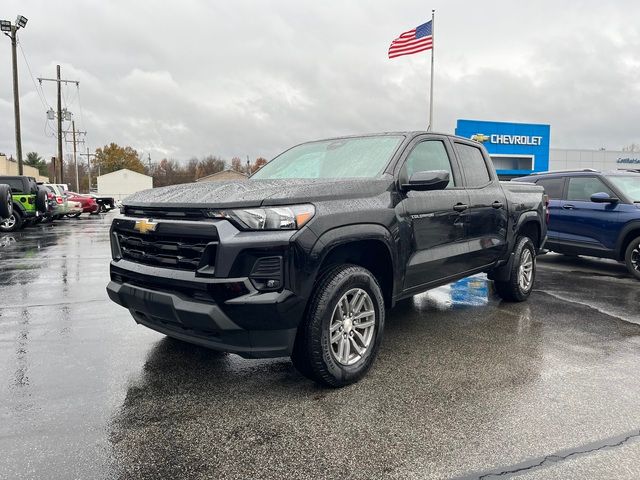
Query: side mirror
[
  {"x": 602, "y": 197},
  {"x": 428, "y": 180}
]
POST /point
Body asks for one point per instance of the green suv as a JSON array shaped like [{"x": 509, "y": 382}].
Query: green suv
[{"x": 29, "y": 202}]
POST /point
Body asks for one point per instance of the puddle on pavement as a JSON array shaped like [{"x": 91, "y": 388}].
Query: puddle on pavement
[{"x": 468, "y": 292}]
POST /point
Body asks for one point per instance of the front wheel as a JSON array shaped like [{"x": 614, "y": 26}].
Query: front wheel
[
  {"x": 338, "y": 340},
  {"x": 13, "y": 223},
  {"x": 632, "y": 257},
  {"x": 522, "y": 275}
]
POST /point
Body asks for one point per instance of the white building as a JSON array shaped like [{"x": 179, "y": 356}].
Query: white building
[
  {"x": 570, "y": 159},
  {"x": 122, "y": 183}
]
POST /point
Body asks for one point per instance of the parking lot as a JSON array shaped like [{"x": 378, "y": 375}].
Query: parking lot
[{"x": 464, "y": 385}]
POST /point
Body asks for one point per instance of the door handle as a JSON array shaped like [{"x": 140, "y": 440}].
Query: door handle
[
  {"x": 568, "y": 207},
  {"x": 460, "y": 207},
  {"x": 497, "y": 204}
]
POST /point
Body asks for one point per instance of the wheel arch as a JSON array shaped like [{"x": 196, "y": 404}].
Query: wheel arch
[
  {"x": 628, "y": 233},
  {"x": 367, "y": 245},
  {"x": 529, "y": 225}
]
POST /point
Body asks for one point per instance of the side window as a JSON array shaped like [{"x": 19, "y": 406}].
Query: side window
[
  {"x": 15, "y": 184},
  {"x": 473, "y": 164},
  {"x": 552, "y": 187},
  {"x": 428, "y": 155},
  {"x": 581, "y": 188}
]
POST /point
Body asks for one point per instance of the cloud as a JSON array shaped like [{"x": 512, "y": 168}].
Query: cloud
[{"x": 252, "y": 78}]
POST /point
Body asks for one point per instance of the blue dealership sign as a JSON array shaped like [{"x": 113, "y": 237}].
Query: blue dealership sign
[{"x": 515, "y": 148}]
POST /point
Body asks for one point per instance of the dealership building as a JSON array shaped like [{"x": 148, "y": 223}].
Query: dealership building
[{"x": 519, "y": 149}]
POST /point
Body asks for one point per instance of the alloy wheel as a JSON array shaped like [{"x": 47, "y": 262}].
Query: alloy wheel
[
  {"x": 352, "y": 326},
  {"x": 635, "y": 257},
  {"x": 525, "y": 270},
  {"x": 9, "y": 222}
]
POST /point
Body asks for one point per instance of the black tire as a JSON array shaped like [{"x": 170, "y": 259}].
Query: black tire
[
  {"x": 512, "y": 290},
  {"x": 13, "y": 223},
  {"x": 6, "y": 202},
  {"x": 74, "y": 215},
  {"x": 632, "y": 257},
  {"x": 313, "y": 353},
  {"x": 41, "y": 200}
]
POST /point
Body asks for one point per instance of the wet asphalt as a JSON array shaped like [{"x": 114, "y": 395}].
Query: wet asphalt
[{"x": 464, "y": 386}]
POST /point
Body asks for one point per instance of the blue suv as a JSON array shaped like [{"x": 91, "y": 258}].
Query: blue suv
[{"x": 593, "y": 213}]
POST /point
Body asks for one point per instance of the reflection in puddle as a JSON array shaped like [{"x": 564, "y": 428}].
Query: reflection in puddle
[{"x": 468, "y": 292}]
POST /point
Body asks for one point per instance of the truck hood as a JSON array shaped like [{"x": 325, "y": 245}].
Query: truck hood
[{"x": 253, "y": 193}]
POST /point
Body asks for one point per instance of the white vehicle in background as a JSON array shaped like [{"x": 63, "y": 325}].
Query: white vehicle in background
[
  {"x": 58, "y": 201},
  {"x": 75, "y": 208}
]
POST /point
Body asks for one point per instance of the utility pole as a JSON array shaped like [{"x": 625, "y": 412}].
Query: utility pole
[
  {"x": 11, "y": 31},
  {"x": 75, "y": 141},
  {"x": 89, "y": 155},
  {"x": 60, "y": 124},
  {"x": 59, "y": 81},
  {"x": 75, "y": 158}
]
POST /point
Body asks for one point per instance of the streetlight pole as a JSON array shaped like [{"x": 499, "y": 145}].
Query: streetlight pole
[{"x": 11, "y": 31}]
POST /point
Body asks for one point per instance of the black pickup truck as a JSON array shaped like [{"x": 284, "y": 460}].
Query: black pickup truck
[{"x": 305, "y": 257}]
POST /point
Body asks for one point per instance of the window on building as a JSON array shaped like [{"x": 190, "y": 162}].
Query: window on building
[
  {"x": 581, "y": 188},
  {"x": 473, "y": 164}
]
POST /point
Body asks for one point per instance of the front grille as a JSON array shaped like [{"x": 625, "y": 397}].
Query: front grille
[
  {"x": 165, "y": 251},
  {"x": 151, "y": 212}
]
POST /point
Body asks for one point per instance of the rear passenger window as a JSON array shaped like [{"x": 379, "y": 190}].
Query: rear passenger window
[
  {"x": 552, "y": 187},
  {"x": 581, "y": 188},
  {"x": 473, "y": 165}
]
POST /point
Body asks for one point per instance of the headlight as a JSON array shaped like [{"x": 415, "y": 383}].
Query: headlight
[{"x": 291, "y": 217}]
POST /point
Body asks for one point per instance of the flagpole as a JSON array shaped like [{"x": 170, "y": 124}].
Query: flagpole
[{"x": 433, "y": 46}]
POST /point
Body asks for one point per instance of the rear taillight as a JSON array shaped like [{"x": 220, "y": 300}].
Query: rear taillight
[
  {"x": 59, "y": 200},
  {"x": 545, "y": 199},
  {"x": 50, "y": 196}
]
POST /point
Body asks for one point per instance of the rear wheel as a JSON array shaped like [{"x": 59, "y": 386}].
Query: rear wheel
[
  {"x": 340, "y": 336},
  {"x": 523, "y": 273},
  {"x": 632, "y": 257},
  {"x": 13, "y": 223}
]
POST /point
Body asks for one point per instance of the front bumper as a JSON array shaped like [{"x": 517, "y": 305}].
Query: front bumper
[
  {"x": 201, "y": 323},
  {"x": 220, "y": 304}
]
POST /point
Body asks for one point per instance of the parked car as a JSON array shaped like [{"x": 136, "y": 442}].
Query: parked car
[
  {"x": 75, "y": 208},
  {"x": 594, "y": 213},
  {"x": 105, "y": 204},
  {"x": 305, "y": 257},
  {"x": 29, "y": 202},
  {"x": 59, "y": 202},
  {"x": 87, "y": 202}
]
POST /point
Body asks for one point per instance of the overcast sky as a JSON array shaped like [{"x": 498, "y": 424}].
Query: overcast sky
[{"x": 191, "y": 78}]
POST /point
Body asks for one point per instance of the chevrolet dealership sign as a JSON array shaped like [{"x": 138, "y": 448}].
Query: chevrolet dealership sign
[
  {"x": 507, "y": 139},
  {"x": 516, "y": 148}
]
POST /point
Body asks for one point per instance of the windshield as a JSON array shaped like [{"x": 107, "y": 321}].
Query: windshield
[
  {"x": 628, "y": 185},
  {"x": 341, "y": 158}
]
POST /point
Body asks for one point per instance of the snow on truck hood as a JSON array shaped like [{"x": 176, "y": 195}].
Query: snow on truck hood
[{"x": 246, "y": 193}]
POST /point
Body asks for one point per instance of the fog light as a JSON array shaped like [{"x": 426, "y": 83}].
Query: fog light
[{"x": 273, "y": 283}]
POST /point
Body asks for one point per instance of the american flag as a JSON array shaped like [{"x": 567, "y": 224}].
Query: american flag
[{"x": 417, "y": 40}]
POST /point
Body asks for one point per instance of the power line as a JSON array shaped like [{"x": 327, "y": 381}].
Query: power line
[{"x": 41, "y": 96}]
